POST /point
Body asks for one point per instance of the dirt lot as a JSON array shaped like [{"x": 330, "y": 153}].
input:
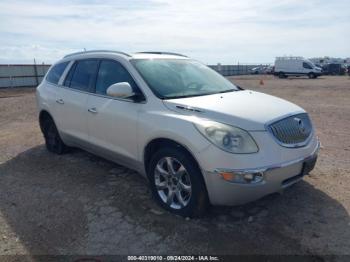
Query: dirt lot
[{"x": 81, "y": 204}]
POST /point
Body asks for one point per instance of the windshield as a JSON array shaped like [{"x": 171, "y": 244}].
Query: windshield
[
  {"x": 310, "y": 63},
  {"x": 175, "y": 78}
]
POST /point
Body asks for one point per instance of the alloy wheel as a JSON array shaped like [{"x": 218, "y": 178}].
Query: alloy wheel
[{"x": 172, "y": 182}]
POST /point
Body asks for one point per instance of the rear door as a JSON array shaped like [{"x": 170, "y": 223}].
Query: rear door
[
  {"x": 113, "y": 122},
  {"x": 73, "y": 99},
  {"x": 52, "y": 88}
]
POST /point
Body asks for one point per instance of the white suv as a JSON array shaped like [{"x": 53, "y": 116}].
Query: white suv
[{"x": 197, "y": 137}]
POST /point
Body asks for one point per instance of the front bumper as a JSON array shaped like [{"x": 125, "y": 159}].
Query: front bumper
[{"x": 275, "y": 178}]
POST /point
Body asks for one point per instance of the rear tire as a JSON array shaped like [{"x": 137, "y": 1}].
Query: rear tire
[
  {"x": 53, "y": 140},
  {"x": 281, "y": 75},
  {"x": 177, "y": 183}
]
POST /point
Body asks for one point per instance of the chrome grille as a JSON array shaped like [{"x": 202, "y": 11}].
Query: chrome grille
[{"x": 292, "y": 131}]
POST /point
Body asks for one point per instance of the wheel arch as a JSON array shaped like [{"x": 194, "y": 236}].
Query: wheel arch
[
  {"x": 44, "y": 117},
  {"x": 161, "y": 142},
  {"x": 202, "y": 200}
]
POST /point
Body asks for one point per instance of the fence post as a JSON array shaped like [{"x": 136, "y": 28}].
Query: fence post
[
  {"x": 219, "y": 68},
  {"x": 36, "y": 73},
  {"x": 10, "y": 76}
]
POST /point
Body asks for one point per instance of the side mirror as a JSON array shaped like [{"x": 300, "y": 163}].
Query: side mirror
[{"x": 121, "y": 90}]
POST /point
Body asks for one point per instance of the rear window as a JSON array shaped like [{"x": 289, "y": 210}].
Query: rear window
[{"x": 56, "y": 72}]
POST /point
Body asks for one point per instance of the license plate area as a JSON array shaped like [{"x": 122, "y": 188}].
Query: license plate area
[{"x": 308, "y": 165}]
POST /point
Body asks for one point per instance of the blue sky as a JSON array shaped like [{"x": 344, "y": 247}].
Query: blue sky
[{"x": 211, "y": 31}]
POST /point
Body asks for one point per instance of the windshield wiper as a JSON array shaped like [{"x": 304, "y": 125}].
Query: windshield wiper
[
  {"x": 204, "y": 94},
  {"x": 185, "y": 96},
  {"x": 226, "y": 91}
]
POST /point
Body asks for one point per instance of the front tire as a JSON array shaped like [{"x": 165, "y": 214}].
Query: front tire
[
  {"x": 311, "y": 75},
  {"x": 177, "y": 183},
  {"x": 53, "y": 140}
]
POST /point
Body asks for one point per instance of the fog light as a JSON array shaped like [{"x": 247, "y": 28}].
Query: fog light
[
  {"x": 254, "y": 177},
  {"x": 248, "y": 177},
  {"x": 242, "y": 177}
]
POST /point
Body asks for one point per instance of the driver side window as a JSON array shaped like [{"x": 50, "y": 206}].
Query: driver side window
[
  {"x": 306, "y": 65},
  {"x": 111, "y": 72}
]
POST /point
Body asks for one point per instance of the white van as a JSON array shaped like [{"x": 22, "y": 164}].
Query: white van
[{"x": 296, "y": 66}]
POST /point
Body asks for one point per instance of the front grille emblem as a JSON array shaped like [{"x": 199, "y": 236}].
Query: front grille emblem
[
  {"x": 292, "y": 131},
  {"x": 301, "y": 125}
]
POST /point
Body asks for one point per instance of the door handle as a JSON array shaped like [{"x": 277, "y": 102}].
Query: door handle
[
  {"x": 92, "y": 110},
  {"x": 60, "y": 101}
]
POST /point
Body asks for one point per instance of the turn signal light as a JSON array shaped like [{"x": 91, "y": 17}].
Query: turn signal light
[{"x": 227, "y": 176}]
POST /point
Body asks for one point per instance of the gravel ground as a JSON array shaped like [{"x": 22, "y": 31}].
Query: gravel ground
[{"x": 81, "y": 204}]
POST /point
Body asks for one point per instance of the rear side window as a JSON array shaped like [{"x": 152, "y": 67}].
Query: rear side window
[
  {"x": 306, "y": 65},
  {"x": 111, "y": 72},
  {"x": 81, "y": 75},
  {"x": 56, "y": 72}
]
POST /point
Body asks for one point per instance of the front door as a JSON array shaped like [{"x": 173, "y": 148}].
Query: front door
[
  {"x": 113, "y": 122},
  {"x": 307, "y": 68}
]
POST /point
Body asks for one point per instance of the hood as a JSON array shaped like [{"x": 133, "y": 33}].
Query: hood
[{"x": 246, "y": 109}]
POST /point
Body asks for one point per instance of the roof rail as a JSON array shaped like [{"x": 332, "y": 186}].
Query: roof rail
[
  {"x": 95, "y": 51},
  {"x": 161, "y": 53},
  {"x": 288, "y": 57}
]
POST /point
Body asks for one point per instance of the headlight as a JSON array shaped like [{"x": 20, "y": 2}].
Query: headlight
[{"x": 228, "y": 138}]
